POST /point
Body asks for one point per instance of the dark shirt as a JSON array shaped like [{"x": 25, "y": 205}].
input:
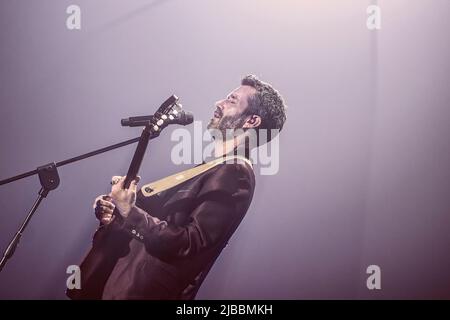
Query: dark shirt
[{"x": 136, "y": 258}]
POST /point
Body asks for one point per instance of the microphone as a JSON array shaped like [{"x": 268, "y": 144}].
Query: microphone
[{"x": 183, "y": 118}]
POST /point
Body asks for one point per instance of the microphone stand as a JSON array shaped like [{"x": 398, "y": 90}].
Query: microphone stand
[
  {"x": 49, "y": 179},
  {"x": 48, "y": 174}
]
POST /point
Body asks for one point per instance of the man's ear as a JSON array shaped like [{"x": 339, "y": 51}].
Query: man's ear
[{"x": 252, "y": 122}]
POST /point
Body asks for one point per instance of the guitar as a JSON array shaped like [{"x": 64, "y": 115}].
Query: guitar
[{"x": 106, "y": 249}]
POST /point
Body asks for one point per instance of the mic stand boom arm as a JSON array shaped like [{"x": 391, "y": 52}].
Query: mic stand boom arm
[{"x": 49, "y": 179}]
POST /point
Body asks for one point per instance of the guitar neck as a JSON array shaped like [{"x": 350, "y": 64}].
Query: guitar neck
[
  {"x": 151, "y": 130},
  {"x": 138, "y": 156}
]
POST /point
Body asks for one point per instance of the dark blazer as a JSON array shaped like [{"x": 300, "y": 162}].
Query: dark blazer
[{"x": 134, "y": 258}]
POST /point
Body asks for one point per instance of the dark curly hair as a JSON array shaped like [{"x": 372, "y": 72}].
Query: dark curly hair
[{"x": 266, "y": 103}]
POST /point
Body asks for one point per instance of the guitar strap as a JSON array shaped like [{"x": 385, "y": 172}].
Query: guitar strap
[{"x": 155, "y": 187}]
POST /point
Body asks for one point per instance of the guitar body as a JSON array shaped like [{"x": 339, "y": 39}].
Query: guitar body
[{"x": 98, "y": 264}]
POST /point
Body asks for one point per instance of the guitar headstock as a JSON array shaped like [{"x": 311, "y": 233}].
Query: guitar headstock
[{"x": 170, "y": 112}]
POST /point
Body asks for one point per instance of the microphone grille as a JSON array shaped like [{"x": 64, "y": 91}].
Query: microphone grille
[{"x": 187, "y": 118}]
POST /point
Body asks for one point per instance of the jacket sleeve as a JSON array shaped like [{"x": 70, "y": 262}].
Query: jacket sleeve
[{"x": 221, "y": 204}]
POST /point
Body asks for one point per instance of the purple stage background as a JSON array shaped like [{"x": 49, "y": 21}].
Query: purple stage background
[{"x": 364, "y": 158}]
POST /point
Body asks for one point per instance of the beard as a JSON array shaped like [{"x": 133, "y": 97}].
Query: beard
[{"x": 225, "y": 125}]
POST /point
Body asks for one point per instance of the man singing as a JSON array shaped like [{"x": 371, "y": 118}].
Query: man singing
[{"x": 162, "y": 246}]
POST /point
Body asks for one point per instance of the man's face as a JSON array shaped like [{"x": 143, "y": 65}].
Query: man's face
[{"x": 230, "y": 112}]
